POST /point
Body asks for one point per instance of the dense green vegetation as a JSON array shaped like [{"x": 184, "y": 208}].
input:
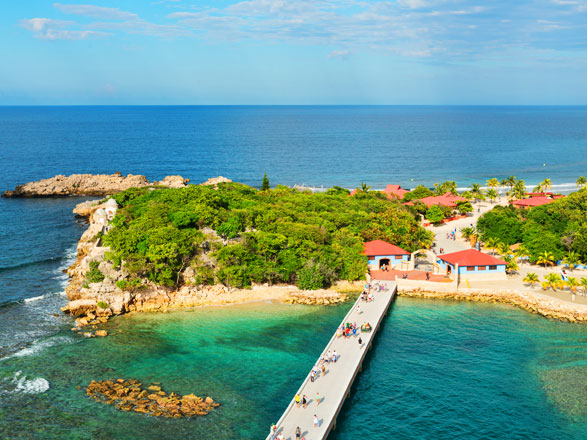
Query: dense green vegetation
[
  {"x": 237, "y": 235},
  {"x": 93, "y": 275},
  {"x": 556, "y": 229}
]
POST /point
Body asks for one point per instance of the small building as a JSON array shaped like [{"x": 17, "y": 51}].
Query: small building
[
  {"x": 472, "y": 264},
  {"x": 380, "y": 253},
  {"x": 111, "y": 207},
  {"x": 395, "y": 192},
  {"x": 447, "y": 199},
  {"x": 100, "y": 217},
  {"x": 532, "y": 202}
]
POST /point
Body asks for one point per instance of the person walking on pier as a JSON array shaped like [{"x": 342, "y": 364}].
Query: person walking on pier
[
  {"x": 316, "y": 422},
  {"x": 273, "y": 431},
  {"x": 298, "y": 433},
  {"x": 318, "y": 398},
  {"x": 304, "y": 401},
  {"x": 297, "y": 399},
  {"x": 360, "y": 342}
]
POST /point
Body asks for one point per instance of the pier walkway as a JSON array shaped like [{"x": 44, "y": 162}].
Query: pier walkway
[{"x": 334, "y": 386}]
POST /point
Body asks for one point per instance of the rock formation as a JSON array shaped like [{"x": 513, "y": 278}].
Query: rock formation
[
  {"x": 129, "y": 395},
  {"x": 90, "y": 185},
  {"x": 216, "y": 180}
]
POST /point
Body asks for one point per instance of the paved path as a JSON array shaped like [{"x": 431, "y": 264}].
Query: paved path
[{"x": 334, "y": 386}]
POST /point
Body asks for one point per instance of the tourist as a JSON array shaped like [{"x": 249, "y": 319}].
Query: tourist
[
  {"x": 312, "y": 376},
  {"x": 304, "y": 401},
  {"x": 334, "y": 356},
  {"x": 316, "y": 423},
  {"x": 427, "y": 276},
  {"x": 273, "y": 431},
  {"x": 297, "y": 399},
  {"x": 358, "y": 310},
  {"x": 298, "y": 433},
  {"x": 360, "y": 342},
  {"x": 280, "y": 436},
  {"x": 318, "y": 398},
  {"x": 323, "y": 370}
]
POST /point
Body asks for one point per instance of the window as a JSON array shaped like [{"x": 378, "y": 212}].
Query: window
[
  {"x": 492, "y": 267},
  {"x": 398, "y": 257},
  {"x": 481, "y": 267},
  {"x": 470, "y": 268},
  {"x": 370, "y": 257}
]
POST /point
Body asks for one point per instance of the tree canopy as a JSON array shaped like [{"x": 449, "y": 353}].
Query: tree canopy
[{"x": 237, "y": 235}]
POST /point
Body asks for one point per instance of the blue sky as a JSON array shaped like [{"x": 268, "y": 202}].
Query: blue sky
[{"x": 293, "y": 52}]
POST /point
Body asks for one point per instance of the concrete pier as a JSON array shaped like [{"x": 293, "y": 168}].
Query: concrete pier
[{"x": 334, "y": 387}]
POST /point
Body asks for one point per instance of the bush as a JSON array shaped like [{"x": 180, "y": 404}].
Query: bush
[
  {"x": 94, "y": 275},
  {"x": 310, "y": 277},
  {"x": 102, "y": 305},
  {"x": 435, "y": 214}
]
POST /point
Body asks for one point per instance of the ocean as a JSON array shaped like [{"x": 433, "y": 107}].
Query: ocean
[{"x": 438, "y": 370}]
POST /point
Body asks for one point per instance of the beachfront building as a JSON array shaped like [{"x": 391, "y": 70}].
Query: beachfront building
[
  {"x": 471, "y": 264},
  {"x": 381, "y": 253},
  {"x": 447, "y": 199},
  {"x": 533, "y": 201},
  {"x": 395, "y": 192}
]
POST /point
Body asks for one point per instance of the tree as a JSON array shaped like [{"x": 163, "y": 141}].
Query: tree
[
  {"x": 581, "y": 182},
  {"x": 509, "y": 182},
  {"x": 512, "y": 266},
  {"x": 464, "y": 207},
  {"x": 504, "y": 250},
  {"x": 492, "y": 183},
  {"x": 265, "y": 185},
  {"x": 571, "y": 259},
  {"x": 337, "y": 191},
  {"x": 492, "y": 194},
  {"x": 418, "y": 193},
  {"x": 435, "y": 214},
  {"x": 518, "y": 190},
  {"x": 448, "y": 186},
  {"x": 476, "y": 191},
  {"x": 545, "y": 258},
  {"x": 491, "y": 244},
  {"x": 553, "y": 280},
  {"x": 545, "y": 185},
  {"x": 521, "y": 253},
  {"x": 531, "y": 278},
  {"x": 467, "y": 232},
  {"x": 467, "y": 195},
  {"x": 364, "y": 187},
  {"x": 573, "y": 283},
  {"x": 584, "y": 284}
]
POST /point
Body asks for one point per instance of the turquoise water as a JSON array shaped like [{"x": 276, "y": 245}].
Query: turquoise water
[{"x": 438, "y": 370}]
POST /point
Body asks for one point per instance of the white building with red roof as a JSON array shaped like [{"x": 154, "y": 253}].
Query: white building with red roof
[
  {"x": 380, "y": 253},
  {"x": 472, "y": 264},
  {"x": 447, "y": 199}
]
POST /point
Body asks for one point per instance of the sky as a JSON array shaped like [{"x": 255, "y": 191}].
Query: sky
[{"x": 421, "y": 52}]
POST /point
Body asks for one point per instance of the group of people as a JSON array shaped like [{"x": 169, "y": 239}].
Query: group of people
[{"x": 451, "y": 235}]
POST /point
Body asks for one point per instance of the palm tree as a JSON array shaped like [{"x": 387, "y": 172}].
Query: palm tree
[
  {"x": 571, "y": 260},
  {"x": 553, "y": 280},
  {"x": 584, "y": 284},
  {"x": 510, "y": 182},
  {"x": 467, "y": 195},
  {"x": 364, "y": 187},
  {"x": 512, "y": 267},
  {"x": 573, "y": 283},
  {"x": 521, "y": 253},
  {"x": 531, "y": 278},
  {"x": 476, "y": 191},
  {"x": 581, "y": 182},
  {"x": 518, "y": 191},
  {"x": 545, "y": 258},
  {"x": 504, "y": 250},
  {"x": 492, "y": 183},
  {"x": 492, "y": 194},
  {"x": 491, "y": 244},
  {"x": 545, "y": 185}
]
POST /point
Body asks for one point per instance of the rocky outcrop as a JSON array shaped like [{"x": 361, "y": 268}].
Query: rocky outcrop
[
  {"x": 216, "y": 180},
  {"x": 90, "y": 185},
  {"x": 129, "y": 395},
  {"x": 549, "y": 308}
]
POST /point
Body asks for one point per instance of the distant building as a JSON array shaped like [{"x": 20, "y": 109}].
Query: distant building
[
  {"x": 472, "y": 264},
  {"x": 447, "y": 199},
  {"x": 100, "y": 217},
  {"x": 532, "y": 202},
  {"x": 395, "y": 191},
  {"x": 381, "y": 253},
  {"x": 111, "y": 207}
]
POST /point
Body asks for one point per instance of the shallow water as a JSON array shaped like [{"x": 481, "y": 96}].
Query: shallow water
[{"x": 438, "y": 370}]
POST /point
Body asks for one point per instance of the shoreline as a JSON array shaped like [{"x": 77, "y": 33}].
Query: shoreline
[{"x": 547, "y": 308}]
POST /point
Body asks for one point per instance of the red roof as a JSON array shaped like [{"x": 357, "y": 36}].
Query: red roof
[
  {"x": 471, "y": 257},
  {"x": 447, "y": 199},
  {"x": 395, "y": 191},
  {"x": 539, "y": 194},
  {"x": 380, "y": 247},
  {"x": 353, "y": 192},
  {"x": 532, "y": 201}
]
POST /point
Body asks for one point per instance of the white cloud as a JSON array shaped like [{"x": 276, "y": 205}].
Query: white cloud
[
  {"x": 339, "y": 54},
  {"x": 49, "y": 29},
  {"x": 93, "y": 11}
]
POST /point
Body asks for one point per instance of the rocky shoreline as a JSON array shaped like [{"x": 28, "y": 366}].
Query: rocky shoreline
[
  {"x": 129, "y": 395},
  {"x": 90, "y": 185},
  {"x": 549, "y": 308}
]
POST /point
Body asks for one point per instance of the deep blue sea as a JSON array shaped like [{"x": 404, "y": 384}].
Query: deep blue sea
[{"x": 439, "y": 370}]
